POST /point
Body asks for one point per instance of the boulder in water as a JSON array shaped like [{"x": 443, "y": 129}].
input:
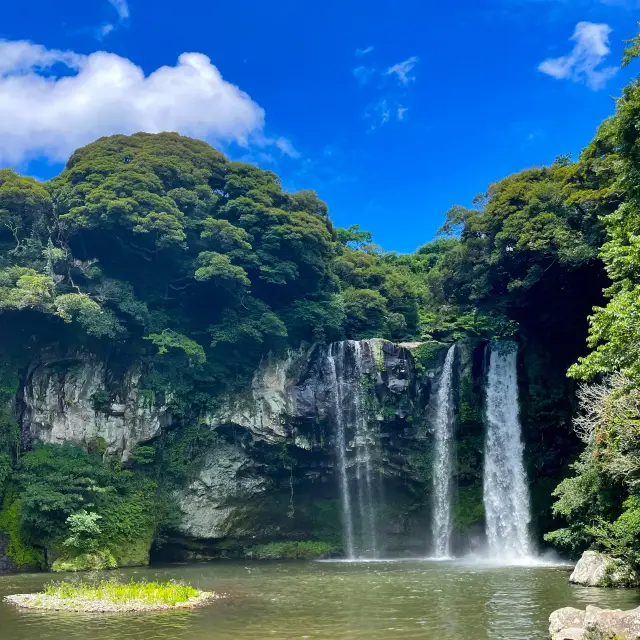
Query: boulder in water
[
  {"x": 594, "y": 624},
  {"x": 599, "y": 570}
]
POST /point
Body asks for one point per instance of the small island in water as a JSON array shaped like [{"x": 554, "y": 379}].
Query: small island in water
[{"x": 110, "y": 596}]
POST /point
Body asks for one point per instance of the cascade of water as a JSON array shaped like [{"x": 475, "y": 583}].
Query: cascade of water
[
  {"x": 349, "y": 363},
  {"x": 341, "y": 451},
  {"x": 443, "y": 460},
  {"x": 368, "y": 516},
  {"x": 506, "y": 495}
]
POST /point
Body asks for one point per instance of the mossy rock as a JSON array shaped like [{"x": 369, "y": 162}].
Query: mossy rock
[
  {"x": 468, "y": 507},
  {"x": 102, "y": 559},
  {"x": 133, "y": 553}
]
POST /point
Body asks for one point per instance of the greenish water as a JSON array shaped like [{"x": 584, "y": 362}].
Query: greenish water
[{"x": 329, "y": 601}]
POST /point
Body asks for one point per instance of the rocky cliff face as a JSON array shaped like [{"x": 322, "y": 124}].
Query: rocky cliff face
[
  {"x": 272, "y": 470},
  {"x": 66, "y": 401}
]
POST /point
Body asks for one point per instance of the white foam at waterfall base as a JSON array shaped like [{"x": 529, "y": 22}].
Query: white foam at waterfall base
[
  {"x": 441, "y": 525},
  {"x": 506, "y": 495}
]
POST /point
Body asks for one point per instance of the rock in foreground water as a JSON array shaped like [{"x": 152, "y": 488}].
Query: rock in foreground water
[
  {"x": 567, "y": 624},
  {"x": 594, "y": 624},
  {"x": 599, "y": 570}
]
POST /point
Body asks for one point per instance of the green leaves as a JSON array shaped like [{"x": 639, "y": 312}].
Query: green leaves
[
  {"x": 254, "y": 325},
  {"x": 365, "y": 310},
  {"x": 613, "y": 329},
  {"x": 171, "y": 340},
  {"x": 91, "y": 316},
  {"x": 67, "y": 497},
  {"x": 84, "y": 531},
  {"x": 24, "y": 288},
  {"x": 218, "y": 268}
]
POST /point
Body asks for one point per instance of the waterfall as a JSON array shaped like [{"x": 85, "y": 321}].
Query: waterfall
[
  {"x": 443, "y": 460},
  {"x": 350, "y": 364},
  {"x": 364, "y": 461},
  {"x": 341, "y": 453},
  {"x": 506, "y": 496}
]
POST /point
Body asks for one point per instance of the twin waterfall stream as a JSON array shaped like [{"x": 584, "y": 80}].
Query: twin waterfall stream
[
  {"x": 349, "y": 365},
  {"x": 349, "y": 362}
]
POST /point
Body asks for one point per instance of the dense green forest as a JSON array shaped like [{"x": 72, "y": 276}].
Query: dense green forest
[{"x": 159, "y": 249}]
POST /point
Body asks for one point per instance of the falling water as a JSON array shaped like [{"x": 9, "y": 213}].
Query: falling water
[
  {"x": 341, "y": 453},
  {"x": 506, "y": 496},
  {"x": 349, "y": 364},
  {"x": 364, "y": 463},
  {"x": 443, "y": 460}
]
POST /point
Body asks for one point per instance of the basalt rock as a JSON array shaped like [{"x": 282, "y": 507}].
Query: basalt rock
[
  {"x": 66, "y": 400},
  {"x": 594, "y": 624},
  {"x": 277, "y": 445},
  {"x": 599, "y": 570}
]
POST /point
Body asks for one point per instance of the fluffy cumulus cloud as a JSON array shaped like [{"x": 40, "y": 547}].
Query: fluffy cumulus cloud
[
  {"x": 583, "y": 63},
  {"x": 52, "y": 102}
]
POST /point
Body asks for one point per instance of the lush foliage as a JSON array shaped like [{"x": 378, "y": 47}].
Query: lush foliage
[
  {"x": 600, "y": 503},
  {"x": 113, "y": 592},
  {"x": 70, "y": 499}
]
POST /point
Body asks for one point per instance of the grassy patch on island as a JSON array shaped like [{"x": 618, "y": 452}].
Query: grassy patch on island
[{"x": 110, "y": 595}]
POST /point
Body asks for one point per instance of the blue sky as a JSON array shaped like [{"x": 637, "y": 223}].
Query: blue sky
[{"x": 392, "y": 111}]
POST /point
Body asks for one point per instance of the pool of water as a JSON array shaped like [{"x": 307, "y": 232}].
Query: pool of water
[{"x": 456, "y": 600}]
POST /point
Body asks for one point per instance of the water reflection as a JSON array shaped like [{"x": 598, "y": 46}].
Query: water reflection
[{"x": 337, "y": 601}]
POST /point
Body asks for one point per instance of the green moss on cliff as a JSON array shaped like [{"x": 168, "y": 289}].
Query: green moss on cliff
[
  {"x": 25, "y": 555},
  {"x": 98, "y": 560},
  {"x": 468, "y": 508},
  {"x": 293, "y": 550},
  {"x": 426, "y": 355}
]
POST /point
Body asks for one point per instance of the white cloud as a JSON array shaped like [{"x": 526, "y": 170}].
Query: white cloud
[
  {"x": 365, "y": 51},
  {"x": 363, "y": 74},
  {"x": 121, "y": 7},
  {"x": 105, "y": 30},
  {"x": 378, "y": 113},
  {"x": 383, "y": 112},
  {"x": 283, "y": 145},
  {"x": 403, "y": 69},
  {"x": 84, "y": 97},
  {"x": 581, "y": 65}
]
